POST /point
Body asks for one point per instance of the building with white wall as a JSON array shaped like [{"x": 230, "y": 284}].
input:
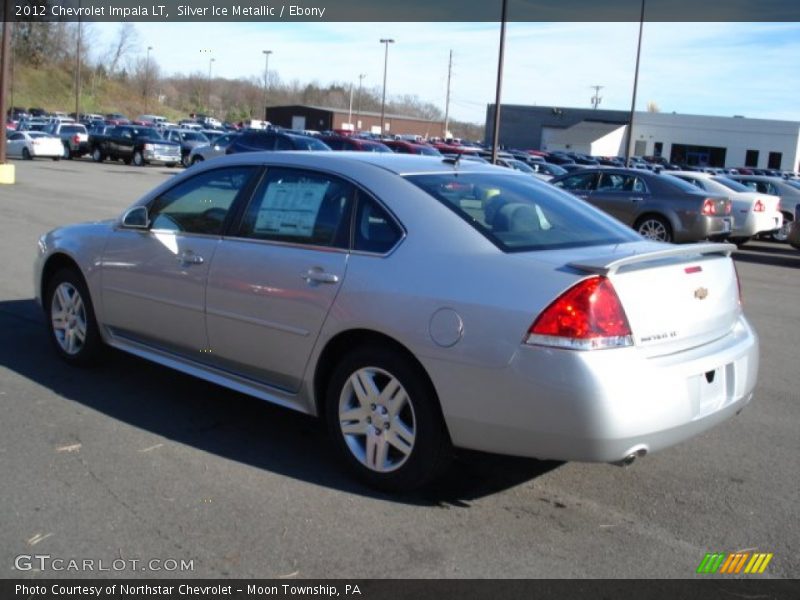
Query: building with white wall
[{"x": 683, "y": 139}]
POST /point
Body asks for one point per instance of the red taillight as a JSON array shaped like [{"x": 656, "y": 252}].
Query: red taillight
[
  {"x": 76, "y": 139},
  {"x": 587, "y": 316},
  {"x": 759, "y": 206},
  {"x": 709, "y": 207}
]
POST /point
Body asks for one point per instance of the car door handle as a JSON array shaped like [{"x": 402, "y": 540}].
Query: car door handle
[
  {"x": 319, "y": 276},
  {"x": 637, "y": 199},
  {"x": 190, "y": 258}
]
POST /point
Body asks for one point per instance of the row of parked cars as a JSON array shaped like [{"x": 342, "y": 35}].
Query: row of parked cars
[{"x": 660, "y": 201}]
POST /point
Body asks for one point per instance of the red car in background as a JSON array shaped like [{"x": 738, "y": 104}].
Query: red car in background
[
  {"x": 404, "y": 147},
  {"x": 341, "y": 142}
]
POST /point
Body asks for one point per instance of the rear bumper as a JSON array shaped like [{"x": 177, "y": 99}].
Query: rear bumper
[
  {"x": 599, "y": 406},
  {"x": 756, "y": 223},
  {"x": 704, "y": 227}
]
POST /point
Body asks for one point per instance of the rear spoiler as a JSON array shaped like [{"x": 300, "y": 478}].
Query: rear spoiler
[{"x": 607, "y": 265}]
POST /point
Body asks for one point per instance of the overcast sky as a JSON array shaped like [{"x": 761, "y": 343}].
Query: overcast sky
[{"x": 748, "y": 69}]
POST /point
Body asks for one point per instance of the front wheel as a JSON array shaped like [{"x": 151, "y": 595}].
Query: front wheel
[
  {"x": 138, "y": 159},
  {"x": 97, "y": 156},
  {"x": 71, "y": 319},
  {"x": 654, "y": 228},
  {"x": 384, "y": 417}
]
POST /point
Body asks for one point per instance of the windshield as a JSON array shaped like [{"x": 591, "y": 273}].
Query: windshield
[
  {"x": 520, "y": 166},
  {"x": 427, "y": 150},
  {"x": 193, "y": 136},
  {"x": 731, "y": 184},
  {"x": 308, "y": 143},
  {"x": 521, "y": 213},
  {"x": 73, "y": 129}
]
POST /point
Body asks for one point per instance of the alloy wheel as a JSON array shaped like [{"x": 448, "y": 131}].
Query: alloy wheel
[
  {"x": 653, "y": 229},
  {"x": 377, "y": 420},
  {"x": 68, "y": 316}
]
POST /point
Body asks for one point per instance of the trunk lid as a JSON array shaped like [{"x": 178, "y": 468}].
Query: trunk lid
[{"x": 675, "y": 298}]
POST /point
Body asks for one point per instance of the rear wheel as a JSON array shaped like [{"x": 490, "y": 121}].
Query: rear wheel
[
  {"x": 197, "y": 159},
  {"x": 71, "y": 319},
  {"x": 653, "y": 227},
  {"x": 97, "y": 156},
  {"x": 781, "y": 234},
  {"x": 384, "y": 417},
  {"x": 138, "y": 159}
]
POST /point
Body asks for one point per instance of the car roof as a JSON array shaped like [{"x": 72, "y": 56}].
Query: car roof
[{"x": 400, "y": 164}]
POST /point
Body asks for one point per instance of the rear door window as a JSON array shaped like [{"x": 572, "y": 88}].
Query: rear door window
[{"x": 580, "y": 182}]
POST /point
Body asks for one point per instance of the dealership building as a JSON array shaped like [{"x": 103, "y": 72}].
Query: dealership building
[
  {"x": 684, "y": 139},
  {"x": 318, "y": 118}
]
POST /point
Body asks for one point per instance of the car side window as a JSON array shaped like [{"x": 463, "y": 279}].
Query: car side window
[
  {"x": 15, "y": 137},
  {"x": 199, "y": 204},
  {"x": 772, "y": 190},
  {"x": 283, "y": 144},
  {"x": 375, "y": 231},
  {"x": 126, "y": 133},
  {"x": 299, "y": 206},
  {"x": 583, "y": 182}
]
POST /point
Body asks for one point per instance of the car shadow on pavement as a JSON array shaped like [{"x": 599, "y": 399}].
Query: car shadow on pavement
[
  {"x": 213, "y": 419},
  {"x": 774, "y": 255}
]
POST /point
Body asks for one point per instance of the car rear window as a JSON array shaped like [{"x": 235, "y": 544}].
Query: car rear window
[
  {"x": 73, "y": 129},
  {"x": 518, "y": 213},
  {"x": 731, "y": 184},
  {"x": 308, "y": 143},
  {"x": 679, "y": 183}
]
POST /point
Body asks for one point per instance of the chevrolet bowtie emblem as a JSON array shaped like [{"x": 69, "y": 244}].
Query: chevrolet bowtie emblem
[{"x": 701, "y": 293}]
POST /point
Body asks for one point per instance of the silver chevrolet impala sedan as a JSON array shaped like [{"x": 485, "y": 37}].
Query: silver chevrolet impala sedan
[{"x": 415, "y": 303}]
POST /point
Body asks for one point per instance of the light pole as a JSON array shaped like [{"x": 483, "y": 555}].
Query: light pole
[
  {"x": 501, "y": 54},
  {"x": 78, "y": 71},
  {"x": 147, "y": 78},
  {"x": 266, "y": 54},
  {"x": 386, "y": 43},
  {"x": 629, "y": 137},
  {"x": 358, "y": 100},
  {"x": 210, "y": 62}
]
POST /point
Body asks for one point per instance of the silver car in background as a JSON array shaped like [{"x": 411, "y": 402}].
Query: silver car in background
[
  {"x": 753, "y": 212},
  {"x": 214, "y": 149},
  {"x": 417, "y": 304},
  {"x": 787, "y": 189},
  {"x": 660, "y": 207}
]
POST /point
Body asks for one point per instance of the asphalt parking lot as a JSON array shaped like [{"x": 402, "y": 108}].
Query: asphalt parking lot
[{"x": 134, "y": 461}]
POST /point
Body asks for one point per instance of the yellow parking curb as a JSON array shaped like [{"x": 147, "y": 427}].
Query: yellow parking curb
[{"x": 7, "y": 174}]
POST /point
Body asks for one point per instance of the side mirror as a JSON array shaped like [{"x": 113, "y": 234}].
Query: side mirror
[{"x": 136, "y": 218}]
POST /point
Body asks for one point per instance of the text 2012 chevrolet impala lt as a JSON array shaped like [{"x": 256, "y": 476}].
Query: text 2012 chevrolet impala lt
[{"x": 416, "y": 304}]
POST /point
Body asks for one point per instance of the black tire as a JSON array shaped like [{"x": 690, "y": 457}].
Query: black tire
[
  {"x": 67, "y": 152},
  {"x": 171, "y": 165},
  {"x": 56, "y": 158},
  {"x": 90, "y": 349},
  {"x": 185, "y": 161},
  {"x": 197, "y": 159},
  {"x": 782, "y": 234},
  {"x": 430, "y": 451},
  {"x": 97, "y": 155},
  {"x": 26, "y": 155},
  {"x": 138, "y": 159},
  {"x": 654, "y": 227}
]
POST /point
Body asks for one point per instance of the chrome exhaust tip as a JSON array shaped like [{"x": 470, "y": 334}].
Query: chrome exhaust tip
[{"x": 628, "y": 460}]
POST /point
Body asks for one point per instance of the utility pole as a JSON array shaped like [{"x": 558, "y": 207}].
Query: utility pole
[
  {"x": 6, "y": 172},
  {"x": 210, "y": 62},
  {"x": 501, "y": 55},
  {"x": 386, "y": 43},
  {"x": 266, "y": 54},
  {"x": 350, "y": 109},
  {"x": 447, "y": 101},
  {"x": 596, "y": 99},
  {"x": 147, "y": 78},
  {"x": 78, "y": 71},
  {"x": 629, "y": 137},
  {"x": 358, "y": 100}
]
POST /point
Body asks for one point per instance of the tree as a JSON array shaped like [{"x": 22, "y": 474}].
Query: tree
[
  {"x": 127, "y": 39},
  {"x": 653, "y": 107}
]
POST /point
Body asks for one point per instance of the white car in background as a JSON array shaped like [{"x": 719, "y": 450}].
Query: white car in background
[
  {"x": 753, "y": 212},
  {"x": 34, "y": 144}
]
